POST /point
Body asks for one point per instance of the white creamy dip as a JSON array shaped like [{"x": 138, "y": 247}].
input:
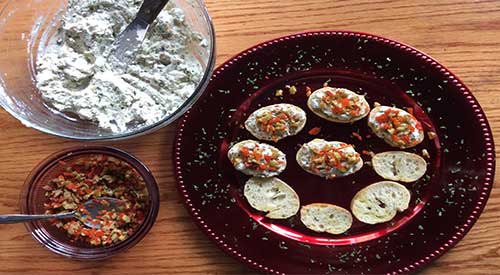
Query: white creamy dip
[{"x": 74, "y": 76}]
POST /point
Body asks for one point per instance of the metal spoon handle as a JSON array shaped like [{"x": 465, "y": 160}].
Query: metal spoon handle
[
  {"x": 18, "y": 218},
  {"x": 150, "y": 9}
]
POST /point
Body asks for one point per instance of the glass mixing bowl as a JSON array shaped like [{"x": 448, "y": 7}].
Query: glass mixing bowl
[{"x": 26, "y": 25}]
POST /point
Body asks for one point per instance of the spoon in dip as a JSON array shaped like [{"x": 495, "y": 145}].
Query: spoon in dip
[
  {"x": 89, "y": 213},
  {"x": 130, "y": 40}
]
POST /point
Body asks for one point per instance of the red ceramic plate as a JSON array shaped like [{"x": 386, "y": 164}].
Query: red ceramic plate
[{"x": 445, "y": 202}]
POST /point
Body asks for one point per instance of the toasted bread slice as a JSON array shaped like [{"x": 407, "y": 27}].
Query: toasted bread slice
[
  {"x": 276, "y": 122},
  {"x": 257, "y": 159},
  {"x": 329, "y": 159},
  {"x": 273, "y": 196},
  {"x": 379, "y": 202},
  {"x": 399, "y": 166},
  {"x": 338, "y": 105},
  {"x": 324, "y": 217},
  {"x": 397, "y": 127}
]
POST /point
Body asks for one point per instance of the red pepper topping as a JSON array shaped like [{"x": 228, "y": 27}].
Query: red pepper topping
[
  {"x": 277, "y": 122},
  {"x": 398, "y": 125},
  {"x": 339, "y": 103},
  {"x": 328, "y": 157},
  {"x": 308, "y": 91},
  {"x": 256, "y": 159},
  {"x": 315, "y": 131},
  {"x": 356, "y": 135},
  {"x": 90, "y": 179}
]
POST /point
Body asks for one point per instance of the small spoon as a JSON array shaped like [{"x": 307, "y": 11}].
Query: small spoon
[{"x": 88, "y": 213}]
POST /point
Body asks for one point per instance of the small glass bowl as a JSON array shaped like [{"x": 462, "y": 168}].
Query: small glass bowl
[
  {"x": 32, "y": 199},
  {"x": 26, "y": 27}
]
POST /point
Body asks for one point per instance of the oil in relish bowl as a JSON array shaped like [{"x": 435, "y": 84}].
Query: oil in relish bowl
[{"x": 69, "y": 178}]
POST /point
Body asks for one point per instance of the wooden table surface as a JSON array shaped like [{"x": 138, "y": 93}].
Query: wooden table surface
[{"x": 463, "y": 35}]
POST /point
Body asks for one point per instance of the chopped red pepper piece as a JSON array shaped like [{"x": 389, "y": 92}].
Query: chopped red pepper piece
[
  {"x": 315, "y": 131},
  {"x": 358, "y": 136}
]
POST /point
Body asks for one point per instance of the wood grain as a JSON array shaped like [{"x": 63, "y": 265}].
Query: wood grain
[{"x": 463, "y": 35}]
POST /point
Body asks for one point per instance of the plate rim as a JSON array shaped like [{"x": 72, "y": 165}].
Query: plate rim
[{"x": 479, "y": 115}]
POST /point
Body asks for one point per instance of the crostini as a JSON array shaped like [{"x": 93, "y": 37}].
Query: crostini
[
  {"x": 399, "y": 166},
  {"x": 276, "y": 122},
  {"x": 397, "y": 127},
  {"x": 324, "y": 217},
  {"x": 273, "y": 196},
  {"x": 329, "y": 159},
  {"x": 257, "y": 159},
  {"x": 379, "y": 202},
  {"x": 338, "y": 105}
]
